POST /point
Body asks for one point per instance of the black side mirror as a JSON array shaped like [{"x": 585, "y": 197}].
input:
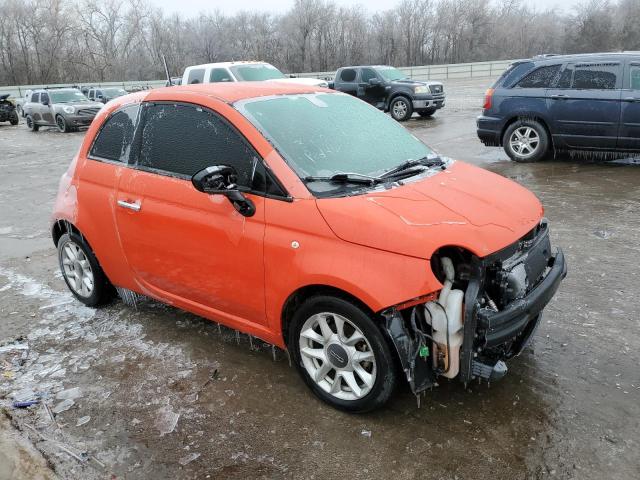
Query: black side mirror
[
  {"x": 221, "y": 180},
  {"x": 374, "y": 82}
]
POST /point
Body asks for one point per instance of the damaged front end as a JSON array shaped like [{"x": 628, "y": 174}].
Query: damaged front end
[{"x": 486, "y": 312}]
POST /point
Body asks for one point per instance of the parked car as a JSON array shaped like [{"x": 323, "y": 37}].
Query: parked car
[
  {"x": 8, "y": 111},
  {"x": 21, "y": 101},
  {"x": 390, "y": 90},
  {"x": 65, "y": 108},
  {"x": 569, "y": 102},
  {"x": 267, "y": 207},
  {"x": 104, "y": 94},
  {"x": 242, "y": 72}
]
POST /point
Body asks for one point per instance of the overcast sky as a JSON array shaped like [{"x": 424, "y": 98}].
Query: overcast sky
[{"x": 192, "y": 7}]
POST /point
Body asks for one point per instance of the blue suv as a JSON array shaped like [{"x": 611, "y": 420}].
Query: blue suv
[{"x": 568, "y": 102}]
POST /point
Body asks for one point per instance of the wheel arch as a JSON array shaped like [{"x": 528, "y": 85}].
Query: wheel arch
[
  {"x": 394, "y": 95},
  {"x": 527, "y": 116}
]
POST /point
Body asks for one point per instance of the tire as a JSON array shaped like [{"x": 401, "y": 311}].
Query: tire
[
  {"x": 31, "y": 124},
  {"x": 427, "y": 113},
  {"x": 14, "y": 119},
  {"x": 61, "y": 123},
  {"x": 364, "y": 384},
  {"x": 526, "y": 141},
  {"x": 401, "y": 109},
  {"x": 78, "y": 264}
]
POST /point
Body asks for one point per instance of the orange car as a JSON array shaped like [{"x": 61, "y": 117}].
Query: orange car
[{"x": 313, "y": 221}]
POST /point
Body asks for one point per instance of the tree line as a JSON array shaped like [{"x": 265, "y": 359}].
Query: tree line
[{"x": 64, "y": 41}]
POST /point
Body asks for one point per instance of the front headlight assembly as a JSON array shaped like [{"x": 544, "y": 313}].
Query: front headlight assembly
[
  {"x": 421, "y": 89},
  {"x": 69, "y": 110}
]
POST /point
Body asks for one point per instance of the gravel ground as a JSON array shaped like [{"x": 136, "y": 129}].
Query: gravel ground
[{"x": 153, "y": 392}]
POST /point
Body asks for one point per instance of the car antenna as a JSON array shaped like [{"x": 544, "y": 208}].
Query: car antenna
[{"x": 166, "y": 70}]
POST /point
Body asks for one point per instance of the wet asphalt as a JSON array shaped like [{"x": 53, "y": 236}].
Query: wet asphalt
[{"x": 153, "y": 392}]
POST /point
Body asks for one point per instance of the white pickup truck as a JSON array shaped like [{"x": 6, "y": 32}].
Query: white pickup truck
[{"x": 242, "y": 72}]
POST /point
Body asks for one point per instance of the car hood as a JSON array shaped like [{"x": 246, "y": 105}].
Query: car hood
[
  {"x": 4, "y": 97},
  {"x": 463, "y": 206},
  {"x": 314, "y": 82},
  {"x": 412, "y": 83}
]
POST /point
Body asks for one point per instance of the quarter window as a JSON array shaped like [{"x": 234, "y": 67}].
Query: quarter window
[
  {"x": 181, "y": 140},
  {"x": 602, "y": 76},
  {"x": 195, "y": 76},
  {"x": 348, "y": 75},
  {"x": 116, "y": 136},
  {"x": 635, "y": 77},
  {"x": 543, "y": 77}
]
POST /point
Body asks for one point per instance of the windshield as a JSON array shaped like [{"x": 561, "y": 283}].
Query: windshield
[
  {"x": 390, "y": 74},
  {"x": 256, "y": 72},
  {"x": 67, "y": 96},
  {"x": 322, "y": 134},
  {"x": 114, "y": 92}
]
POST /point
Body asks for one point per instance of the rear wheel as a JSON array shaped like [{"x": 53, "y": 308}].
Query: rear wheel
[
  {"x": 82, "y": 272},
  {"x": 401, "y": 109},
  {"x": 341, "y": 354},
  {"x": 31, "y": 124},
  {"x": 526, "y": 141}
]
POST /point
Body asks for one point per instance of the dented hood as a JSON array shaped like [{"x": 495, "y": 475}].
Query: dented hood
[{"x": 464, "y": 206}]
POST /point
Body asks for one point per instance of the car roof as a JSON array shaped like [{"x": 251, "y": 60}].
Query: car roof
[
  {"x": 585, "y": 56},
  {"x": 367, "y": 66},
  {"x": 227, "y": 64},
  {"x": 233, "y": 92}
]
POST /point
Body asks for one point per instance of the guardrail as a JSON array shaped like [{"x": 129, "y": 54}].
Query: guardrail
[{"x": 423, "y": 72}]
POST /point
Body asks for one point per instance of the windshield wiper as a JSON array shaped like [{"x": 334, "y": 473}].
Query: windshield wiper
[
  {"x": 407, "y": 166},
  {"x": 358, "y": 178}
]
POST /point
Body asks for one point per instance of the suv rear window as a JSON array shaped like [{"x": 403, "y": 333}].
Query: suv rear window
[
  {"x": 116, "y": 135},
  {"x": 348, "y": 75},
  {"x": 543, "y": 77}
]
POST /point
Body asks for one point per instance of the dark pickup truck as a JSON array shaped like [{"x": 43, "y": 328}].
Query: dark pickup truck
[{"x": 390, "y": 90}]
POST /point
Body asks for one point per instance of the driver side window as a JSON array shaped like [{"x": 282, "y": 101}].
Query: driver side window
[
  {"x": 367, "y": 74},
  {"x": 180, "y": 140}
]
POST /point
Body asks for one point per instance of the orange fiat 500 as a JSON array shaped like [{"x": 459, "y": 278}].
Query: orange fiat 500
[{"x": 313, "y": 221}]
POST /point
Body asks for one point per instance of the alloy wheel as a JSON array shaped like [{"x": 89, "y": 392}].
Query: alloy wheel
[
  {"x": 400, "y": 109},
  {"x": 337, "y": 356},
  {"x": 524, "y": 142},
  {"x": 77, "y": 269}
]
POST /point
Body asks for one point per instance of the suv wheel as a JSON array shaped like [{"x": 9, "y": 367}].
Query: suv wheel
[
  {"x": 61, "y": 123},
  {"x": 31, "y": 124},
  {"x": 82, "y": 272},
  {"x": 526, "y": 141},
  {"x": 401, "y": 109},
  {"x": 341, "y": 354},
  {"x": 14, "y": 118}
]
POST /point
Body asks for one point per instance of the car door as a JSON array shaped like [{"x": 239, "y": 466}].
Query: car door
[
  {"x": 183, "y": 245},
  {"x": 46, "y": 111},
  {"x": 629, "y": 138},
  {"x": 371, "y": 93},
  {"x": 585, "y": 105},
  {"x": 347, "y": 81}
]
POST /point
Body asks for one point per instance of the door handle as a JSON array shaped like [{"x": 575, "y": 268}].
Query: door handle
[
  {"x": 135, "y": 206},
  {"x": 631, "y": 99},
  {"x": 559, "y": 97}
]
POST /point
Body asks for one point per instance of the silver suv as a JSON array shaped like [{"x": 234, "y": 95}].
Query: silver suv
[{"x": 65, "y": 108}]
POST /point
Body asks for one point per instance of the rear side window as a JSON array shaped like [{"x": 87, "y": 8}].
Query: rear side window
[
  {"x": 635, "y": 77},
  {"x": 220, "y": 75},
  {"x": 543, "y": 77},
  {"x": 602, "y": 76},
  {"x": 181, "y": 140},
  {"x": 348, "y": 75},
  {"x": 196, "y": 75},
  {"x": 116, "y": 135}
]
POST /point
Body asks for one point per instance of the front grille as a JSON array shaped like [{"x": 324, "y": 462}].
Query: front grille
[
  {"x": 436, "y": 88},
  {"x": 88, "y": 112}
]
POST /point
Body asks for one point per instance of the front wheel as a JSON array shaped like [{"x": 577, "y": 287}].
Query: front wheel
[
  {"x": 61, "y": 123},
  {"x": 526, "y": 141},
  {"x": 14, "y": 119},
  {"x": 401, "y": 109},
  {"x": 82, "y": 272},
  {"x": 31, "y": 124},
  {"x": 342, "y": 354}
]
